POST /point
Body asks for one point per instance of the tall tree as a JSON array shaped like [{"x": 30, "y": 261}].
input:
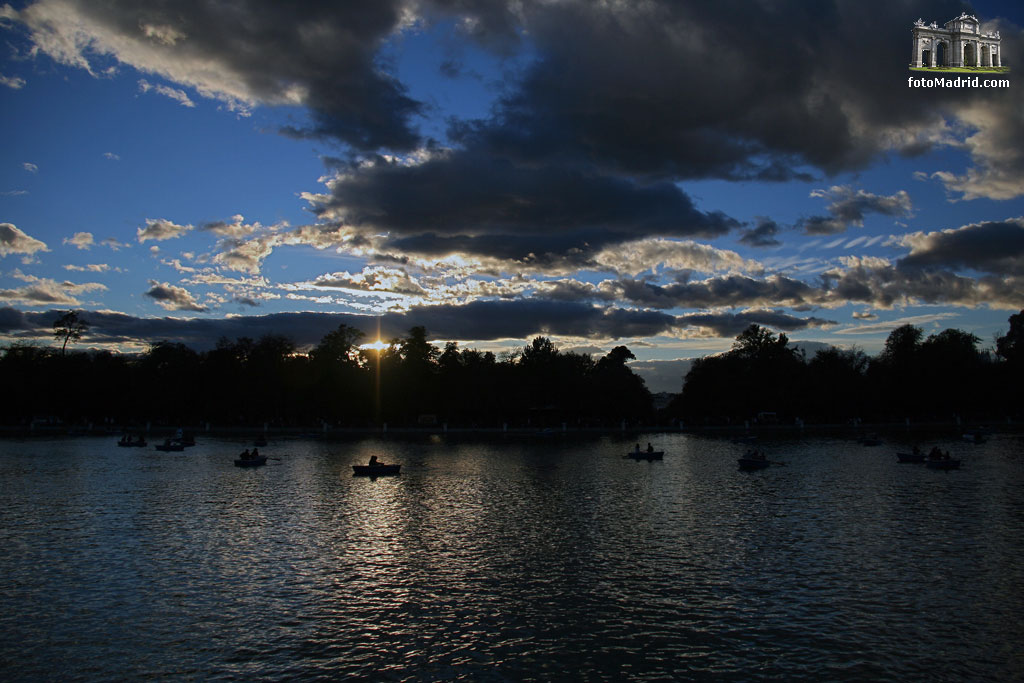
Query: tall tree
[{"x": 69, "y": 327}]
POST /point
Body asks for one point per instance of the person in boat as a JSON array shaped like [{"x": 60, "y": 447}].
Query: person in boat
[
  {"x": 935, "y": 453},
  {"x": 373, "y": 461},
  {"x": 255, "y": 453},
  {"x": 650, "y": 448},
  {"x": 638, "y": 448},
  {"x": 245, "y": 455}
]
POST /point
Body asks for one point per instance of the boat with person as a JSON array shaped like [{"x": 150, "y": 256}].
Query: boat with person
[
  {"x": 127, "y": 442},
  {"x": 754, "y": 460},
  {"x": 376, "y": 468}
]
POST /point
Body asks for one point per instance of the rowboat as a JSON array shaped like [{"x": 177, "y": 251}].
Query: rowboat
[
  {"x": 251, "y": 462},
  {"x": 375, "y": 470},
  {"x": 645, "y": 455}
]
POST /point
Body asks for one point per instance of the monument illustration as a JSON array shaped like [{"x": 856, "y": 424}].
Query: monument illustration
[{"x": 958, "y": 43}]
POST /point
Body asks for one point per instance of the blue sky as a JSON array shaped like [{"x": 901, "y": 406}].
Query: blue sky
[{"x": 601, "y": 173}]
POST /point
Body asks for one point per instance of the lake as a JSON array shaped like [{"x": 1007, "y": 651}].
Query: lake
[{"x": 511, "y": 559}]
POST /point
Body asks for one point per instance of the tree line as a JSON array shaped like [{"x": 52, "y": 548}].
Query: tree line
[
  {"x": 409, "y": 382},
  {"x": 939, "y": 377}
]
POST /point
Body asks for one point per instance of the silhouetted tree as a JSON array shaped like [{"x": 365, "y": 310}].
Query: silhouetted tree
[{"x": 69, "y": 327}]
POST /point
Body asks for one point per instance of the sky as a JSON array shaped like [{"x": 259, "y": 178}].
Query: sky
[{"x": 658, "y": 174}]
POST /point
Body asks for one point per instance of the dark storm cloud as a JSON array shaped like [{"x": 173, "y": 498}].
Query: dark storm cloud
[
  {"x": 730, "y": 89},
  {"x": 763, "y": 235},
  {"x": 321, "y": 54},
  {"x": 993, "y": 247},
  {"x": 485, "y": 205}
]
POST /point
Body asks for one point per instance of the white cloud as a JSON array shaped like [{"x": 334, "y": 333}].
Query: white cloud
[
  {"x": 14, "y": 241},
  {"x": 111, "y": 156},
  {"x": 82, "y": 240},
  {"x": 160, "y": 229},
  {"x": 30, "y": 167},
  {"x": 12, "y": 82},
  {"x": 173, "y": 298},
  {"x": 175, "y": 94}
]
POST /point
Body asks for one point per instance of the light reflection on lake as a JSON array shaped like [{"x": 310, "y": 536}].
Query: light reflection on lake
[{"x": 510, "y": 558}]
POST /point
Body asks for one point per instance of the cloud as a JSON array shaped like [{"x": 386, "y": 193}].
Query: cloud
[
  {"x": 456, "y": 202},
  {"x": 236, "y": 229},
  {"x": 91, "y": 268},
  {"x": 173, "y": 298},
  {"x": 175, "y": 94},
  {"x": 763, "y": 235},
  {"x": 889, "y": 325},
  {"x": 993, "y": 247},
  {"x": 82, "y": 240},
  {"x": 47, "y": 291},
  {"x": 879, "y": 284},
  {"x": 160, "y": 229},
  {"x": 114, "y": 244},
  {"x": 30, "y": 167},
  {"x": 767, "y": 109},
  {"x": 14, "y": 241},
  {"x": 322, "y": 56},
  {"x": 111, "y": 156},
  {"x": 12, "y": 82},
  {"x": 849, "y": 207},
  {"x": 14, "y": 193}
]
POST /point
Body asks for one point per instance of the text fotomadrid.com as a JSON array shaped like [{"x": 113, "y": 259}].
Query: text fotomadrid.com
[{"x": 958, "y": 82}]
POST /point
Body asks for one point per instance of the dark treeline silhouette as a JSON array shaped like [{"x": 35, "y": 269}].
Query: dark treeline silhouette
[
  {"x": 250, "y": 382},
  {"x": 413, "y": 383},
  {"x": 940, "y": 378}
]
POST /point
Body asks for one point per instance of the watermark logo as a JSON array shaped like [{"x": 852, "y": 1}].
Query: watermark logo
[{"x": 953, "y": 54}]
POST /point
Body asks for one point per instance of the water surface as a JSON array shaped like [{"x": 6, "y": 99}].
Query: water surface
[{"x": 510, "y": 558}]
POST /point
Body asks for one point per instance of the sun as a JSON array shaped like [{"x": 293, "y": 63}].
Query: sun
[{"x": 377, "y": 346}]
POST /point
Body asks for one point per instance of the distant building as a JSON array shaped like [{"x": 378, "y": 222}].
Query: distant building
[{"x": 959, "y": 42}]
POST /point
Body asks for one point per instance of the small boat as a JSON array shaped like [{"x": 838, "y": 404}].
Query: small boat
[
  {"x": 378, "y": 470},
  {"x": 251, "y": 462},
  {"x": 910, "y": 457},
  {"x": 645, "y": 455},
  {"x": 944, "y": 464},
  {"x": 753, "y": 463},
  {"x": 170, "y": 446}
]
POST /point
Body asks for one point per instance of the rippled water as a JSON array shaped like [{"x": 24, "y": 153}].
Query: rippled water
[{"x": 510, "y": 559}]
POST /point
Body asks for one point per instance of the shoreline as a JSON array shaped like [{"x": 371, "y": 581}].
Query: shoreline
[{"x": 732, "y": 430}]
